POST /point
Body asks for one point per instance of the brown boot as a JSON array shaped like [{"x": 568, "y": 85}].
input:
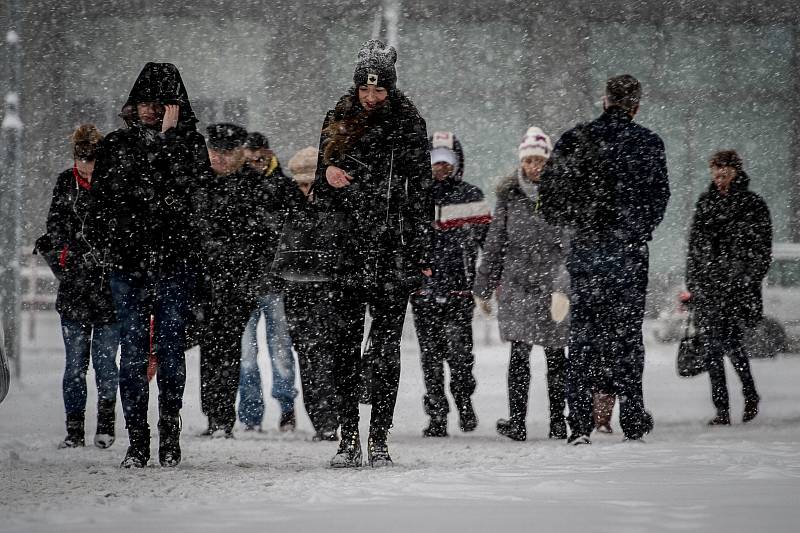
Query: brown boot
[{"x": 603, "y": 407}]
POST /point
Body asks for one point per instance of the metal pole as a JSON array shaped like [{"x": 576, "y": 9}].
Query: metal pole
[{"x": 11, "y": 133}]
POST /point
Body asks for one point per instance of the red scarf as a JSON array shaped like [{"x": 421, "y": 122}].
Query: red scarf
[{"x": 78, "y": 178}]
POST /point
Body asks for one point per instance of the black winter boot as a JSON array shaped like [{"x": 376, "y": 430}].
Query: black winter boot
[
  {"x": 349, "y": 454},
  {"x": 512, "y": 430},
  {"x": 750, "y": 409},
  {"x": 106, "y": 416},
  {"x": 75, "y": 434},
  {"x": 722, "y": 419},
  {"x": 466, "y": 417},
  {"x": 378, "y": 452},
  {"x": 169, "y": 440},
  {"x": 139, "y": 449},
  {"x": 558, "y": 428},
  {"x": 436, "y": 428}
]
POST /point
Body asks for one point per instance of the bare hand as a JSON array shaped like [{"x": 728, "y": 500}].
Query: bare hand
[
  {"x": 427, "y": 272},
  {"x": 170, "y": 120},
  {"x": 337, "y": 178},
  {"x": 484, "y": 304}
]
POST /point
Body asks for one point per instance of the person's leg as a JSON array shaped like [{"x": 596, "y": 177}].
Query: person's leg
[
  {"x": 623, "y": 314},
  {"x": 73, "y": 384},
  {"x": 741, "y": 364},
  {"x": 251, "y": 396},
  {"x": 388, "y": 313},
  {"x": 457, "y": 321},
  {"x": 132, "y": 295},
  {"x": 556, "y": 359},
  {"x": 279, "y": 344},
  {"x": 432, "y": 342},
  {"x": 715, "y": 344},
  {"x": 105, "y": 342},
  {"x": 519, "y": 382},
  {"x": 585, "y": 340}
]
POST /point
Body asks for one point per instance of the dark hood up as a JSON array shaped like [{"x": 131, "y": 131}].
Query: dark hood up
[{"x": 162, "y": 83}]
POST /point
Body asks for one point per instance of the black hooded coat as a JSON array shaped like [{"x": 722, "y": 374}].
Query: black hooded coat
[
  {"x": 147, "y": 184},
  {"x": 730, "y": 250}
]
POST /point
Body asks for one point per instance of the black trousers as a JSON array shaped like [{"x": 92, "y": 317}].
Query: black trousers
[
  {"x": 220, "y": 357},
  {"x": 444, "y": 330},
  {"x": 311, "y": 316},
  {"x": 519, "y": 381},
  {"x": 387, "y": 309},
  {"x": 724, "y": 337}
]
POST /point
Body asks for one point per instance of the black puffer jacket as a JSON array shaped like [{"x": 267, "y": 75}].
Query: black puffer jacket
[
  {"x": 83, "y": 291},
  {"x": 388, "y": 205},
  {"x": 145, "y": 210},
  {"x": 730, "y": 250}
]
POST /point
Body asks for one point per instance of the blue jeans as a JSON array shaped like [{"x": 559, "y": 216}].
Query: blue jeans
[
  {"x": 166, "y": 297},
  {"x": 82, "y": 342},
  {"x": 606, "y": 352},
  {"x": 279, "y": 344}
]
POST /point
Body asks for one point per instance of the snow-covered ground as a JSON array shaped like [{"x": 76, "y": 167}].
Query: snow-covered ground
[{"x": 686, "y": 477}]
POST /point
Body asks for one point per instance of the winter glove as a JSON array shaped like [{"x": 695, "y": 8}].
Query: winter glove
[
  {"x": 484, "y": 304},
  {"x": 559, "y": 306}
]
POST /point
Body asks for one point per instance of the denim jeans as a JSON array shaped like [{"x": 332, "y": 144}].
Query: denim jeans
[
  {"x": 166, "y": 297},
  {"x": 279, "y": 345},
  {"x": 82, "y": 342},
  {"x": 608, "y": 285}
]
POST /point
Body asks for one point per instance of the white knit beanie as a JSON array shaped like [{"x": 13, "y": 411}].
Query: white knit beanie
[{"x": 535, "y": 142}]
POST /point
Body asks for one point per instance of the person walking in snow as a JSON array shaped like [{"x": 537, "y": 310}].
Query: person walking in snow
[
  {"x": 143, "y": 222},
  {"x": 523, "y": 262},
  {"x": 310, "y": 309},
  {"x": 374, "y": 169},
  {"x": 607, "y": 179},
  {"x": 237, "y": 245},
  {"x": 730, "y": 250},
  {"x": 270, "y": 302},
  {"x": 443, "y": 307},
  {"x": 88, "y": 322}
]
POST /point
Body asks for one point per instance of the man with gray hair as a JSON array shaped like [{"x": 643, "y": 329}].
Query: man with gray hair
[{"x": 607, "y": 180}]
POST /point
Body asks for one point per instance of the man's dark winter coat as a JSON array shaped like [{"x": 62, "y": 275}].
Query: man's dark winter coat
[
  {"x": 730, "y": 250},
  {"x": 388, "y": 204},
  {"x": 144, "y": 214},
  {"x": 84, "y": 294},
  {"x": 607, "y": 179}
]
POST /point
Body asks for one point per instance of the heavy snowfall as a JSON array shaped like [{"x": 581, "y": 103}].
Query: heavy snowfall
[{"x": 685, "y": 476}]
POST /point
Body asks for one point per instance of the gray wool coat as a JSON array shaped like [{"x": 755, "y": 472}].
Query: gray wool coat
[{"x": 524, "y": 261}]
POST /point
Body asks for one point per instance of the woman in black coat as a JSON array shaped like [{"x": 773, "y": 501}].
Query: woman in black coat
[
  {"x": 374, "y": 172},
  {"x": 730, "y": 250},
  {"x": 88, "y": 322}
]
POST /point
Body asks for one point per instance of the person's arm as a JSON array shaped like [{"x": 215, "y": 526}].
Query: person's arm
[
  {"x": 490, "y": 267},
  {"x": 755, "y": 245},
  {"x": 558, "y": 181},
  {"x": 420, "y": 206}
]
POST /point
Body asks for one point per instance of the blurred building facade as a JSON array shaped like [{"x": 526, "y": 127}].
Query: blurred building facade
[{"x": 715, "y": 74}]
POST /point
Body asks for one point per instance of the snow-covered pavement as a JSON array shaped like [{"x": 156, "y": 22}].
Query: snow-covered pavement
[{"x": 686, "y": 477}]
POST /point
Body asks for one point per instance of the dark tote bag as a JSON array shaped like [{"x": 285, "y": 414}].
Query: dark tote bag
[
  {"x": 691, "y": 351},
  {"x": 312, "y": 245}
]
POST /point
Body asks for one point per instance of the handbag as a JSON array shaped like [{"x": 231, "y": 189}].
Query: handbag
[
  {"x": 311, "y": 245},
  {"x": 691, "y": 359}
]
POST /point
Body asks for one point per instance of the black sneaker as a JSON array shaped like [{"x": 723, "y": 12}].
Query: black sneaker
[
  {"x": 750, "y": 409},
  {"x": 436, "y": 428},
  {"x": 577, "y": 439},
  {"x": 325, "y": 435},
  {"x": 512, "y": 430},
  {"x": 169, "y": 440},
  {"x": 467, "y": 419},
  {"x": 378, "y": 453},
  {"x": 349, "y": 454},
  {"x": 288, "y": 421},
  {"x": 75, "y": 435},
  {"x": 722, "y": 419},
  {"x": 138, "y": 453}
]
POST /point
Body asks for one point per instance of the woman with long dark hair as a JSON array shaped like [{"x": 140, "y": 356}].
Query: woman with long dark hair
[{"x": 374, "y": 173}]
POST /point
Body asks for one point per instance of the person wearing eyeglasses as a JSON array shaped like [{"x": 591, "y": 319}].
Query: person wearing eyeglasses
[{"x": 88, "y": 322}]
